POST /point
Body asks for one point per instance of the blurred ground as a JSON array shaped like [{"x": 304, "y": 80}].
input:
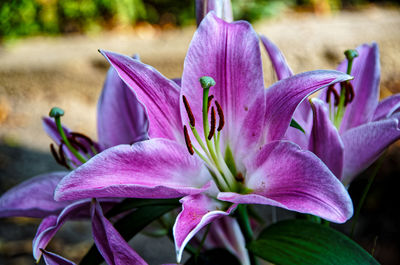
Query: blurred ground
[{"x": 39, "y": 73}]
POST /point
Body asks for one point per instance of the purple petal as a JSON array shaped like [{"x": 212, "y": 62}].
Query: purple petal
[
  {"x": 50, "y": 128},
  {"x": 283, "y": 175},
  {"x": 157, "y": 168},
  {"x": 121, "y": 117},
  {"x": 387, "y": 107},
  {"x": 33, "y": 197},
  {"x": 283, "y": 97},
  {"x": 366, "y": 72},
  {"x": 54, "y": 259},
  {"x": 114, "y": 249},
  {"x": 364, "y": 144},
  {"x": 51, "y": 224},
  {"x": 229, "y": 53},
  {"x": 222, "y": 8},
  {"x": 278, "y": 61},
  {"x": 158, "y": 94},
  {"x": 325, "y": 140},
  {"x": 197, "y": 211}
]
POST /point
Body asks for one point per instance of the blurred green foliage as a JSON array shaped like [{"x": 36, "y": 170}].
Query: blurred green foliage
[{"x": 32, "y": 17}]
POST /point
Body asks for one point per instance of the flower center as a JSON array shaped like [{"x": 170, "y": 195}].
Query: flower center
[
  {"x": 80, "y": 146},
  {"x": 346, "y": 96},
  {"x": 210, "y": 151}
]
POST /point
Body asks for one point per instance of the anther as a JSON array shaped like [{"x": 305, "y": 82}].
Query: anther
[
  {"x": 213, "y": 123},
  {"x": 187, "y": 140},
  {"x": 331, "y": 89},
  {"x": 221, "y": 116},
  {"x": 189, "y": 111},
  {"x": 55, "y": 155},
  {"x": 239, "y": 177},
  {"x": 210, "y": 98},
  {"x": 62, "y": 156},
  {"x": 349, "y": 93},
  {"x": 77, "y": 145},
  {"x": 81, "y": 135}
]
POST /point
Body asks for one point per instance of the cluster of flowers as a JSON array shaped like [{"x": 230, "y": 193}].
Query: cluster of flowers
[{"x": 216, "y": 138}]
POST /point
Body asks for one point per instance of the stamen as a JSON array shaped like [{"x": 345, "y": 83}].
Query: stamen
[
  {"x": 81, "y": 135},
  {"x": 210, "y": 98},
  {"x": 239, "y": 177},
  {"x": 77, "y": 145},
  {"x": 349, "y": 93},
  {"x": 221, "y": 116},
  {"x": 189, "y": 111},
  {"x": 62, "y": 156},
  {"x": 331, "y": 89},
  {"x": 187, "y": 140},
  {"x": 213, "y": 122},
  {"x": 55, "y": 155}
]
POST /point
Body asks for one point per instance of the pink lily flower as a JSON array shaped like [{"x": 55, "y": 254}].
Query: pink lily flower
[
  {"x": 254, "y": 166},
  {"x": 367, "y": 128},
  {"x": 117, "y": 107}
]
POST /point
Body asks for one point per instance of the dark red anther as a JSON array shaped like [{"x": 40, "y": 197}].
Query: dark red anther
[
  {"x": 210, "y": 98},
  {"x": 54, "y": 153},
  {"x": 331, "y": 89},
  {"x": 239, "y": 177},
  {"x": 213, "y": 123},
  {"x": 349, "y": 93},
  {"x": 221, "y": 116},
  {"x": 82, "y": 136},
  {"x": 189, "y": 111},
  {"x": 187, "y": 140},
  {"x": 77, "y": 145},
  {"x": 62, "y": 156}
]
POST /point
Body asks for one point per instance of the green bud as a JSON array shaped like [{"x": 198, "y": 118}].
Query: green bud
[
  {"x": 56, "y": 112},
  {"x": 207, "y": 82}
]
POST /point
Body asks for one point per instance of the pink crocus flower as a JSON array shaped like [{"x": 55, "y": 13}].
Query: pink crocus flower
[{"x": 246, "y": 161}]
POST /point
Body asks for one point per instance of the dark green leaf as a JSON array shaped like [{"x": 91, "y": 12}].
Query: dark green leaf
[
  {"x": 132, "y": 203},
  {"x": 216, "y": 256},
  {"x": 129, "y": 226},
  {"x": 296, "y": 125},
  {"x": 304, "y": 242}
]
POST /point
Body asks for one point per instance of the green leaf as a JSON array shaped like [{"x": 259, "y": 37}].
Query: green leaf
[
  {"x": 296, "y": 125},
  {"x": 132, "y": 203},
  {"x": 129, "y": 226},
  {"x": 216, "y": 256},
  {"x": 304, "y": 242}
]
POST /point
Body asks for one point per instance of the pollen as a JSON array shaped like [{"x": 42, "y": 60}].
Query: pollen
[
  {"x": 187, "y": 140},
  {"x": 213, "y": 123},
  {"x": 210, "y": 98},
  {"x": 189, "y": 111},
  {"x": 221, "y": 116}
]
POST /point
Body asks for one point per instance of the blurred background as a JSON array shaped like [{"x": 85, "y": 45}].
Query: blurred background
[{"x": 48, "y": 57}]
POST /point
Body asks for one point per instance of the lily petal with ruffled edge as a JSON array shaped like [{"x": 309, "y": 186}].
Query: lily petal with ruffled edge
[
  {"x": 364, "y": 144},
  {"x": 159, "y": 95},
  {"x": 325, "y": 140},
  {"x": 119, "y": 109},
  {"x": 51, "y": 224},
  {"x": 114, "y": 249},
  {"x": 33, "y": 197},
  {"x": 197, "y": 211},
  {"x": 387, "y": 107},
  {"x": 157, "y": 168},
  {"x": 222, "y": 8},
  {"x": 54, "y": 259},
  {"x": 283, "y": 175}
]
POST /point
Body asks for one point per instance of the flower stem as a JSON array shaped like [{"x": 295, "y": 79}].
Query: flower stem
[
  {"x": 364, "y": 195},
  {"x": 67, "y": 143},
  {"x": 244, "y": 223}
]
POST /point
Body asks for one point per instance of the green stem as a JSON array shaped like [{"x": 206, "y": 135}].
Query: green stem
[
  {"x": 364, "y": 195},
  {"x": 67, "y": 143},
  {"x": 244, "y": 223},
  {"x": 203, "y": 239}
]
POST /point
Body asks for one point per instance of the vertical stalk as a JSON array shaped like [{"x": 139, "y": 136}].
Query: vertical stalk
[{"x": 244, "y": 223}]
